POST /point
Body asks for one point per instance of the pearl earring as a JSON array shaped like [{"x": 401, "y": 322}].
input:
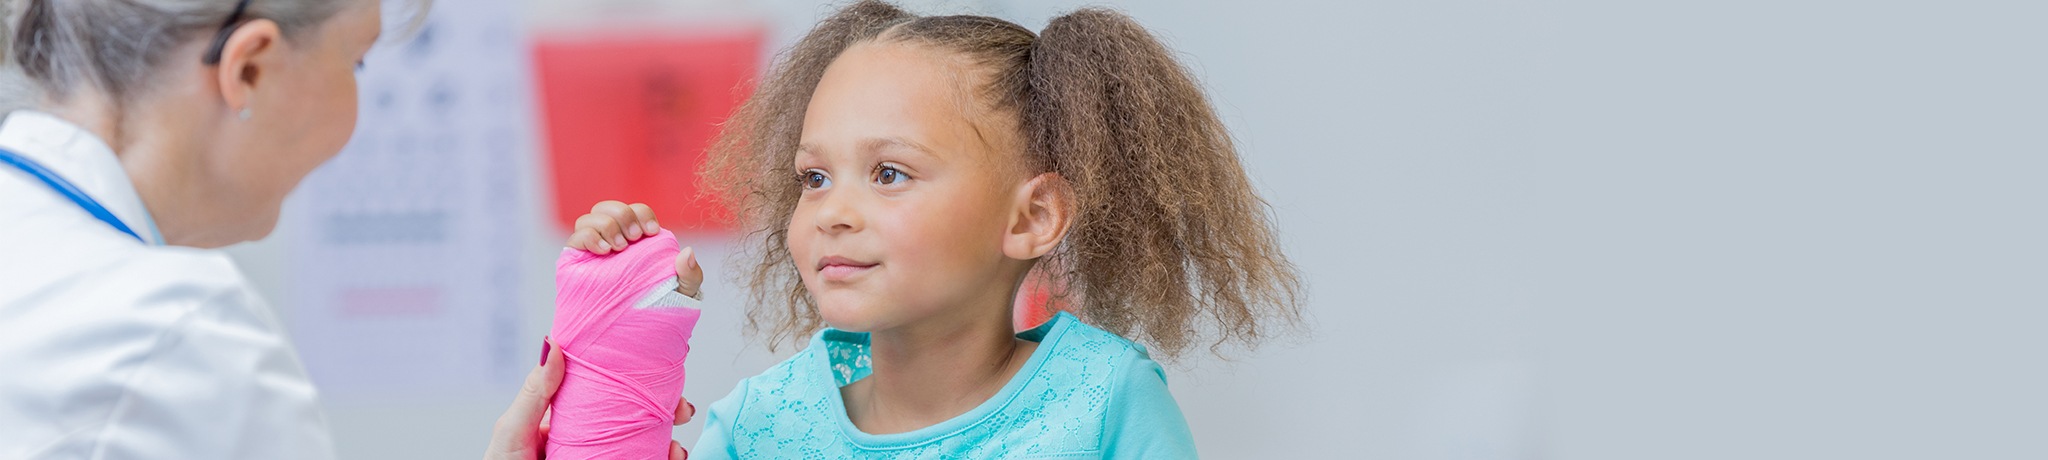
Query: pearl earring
[{"x": 246, "y": 114}]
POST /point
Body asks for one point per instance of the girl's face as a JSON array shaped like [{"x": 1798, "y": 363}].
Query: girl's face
[{"x": 905, "y": 196}]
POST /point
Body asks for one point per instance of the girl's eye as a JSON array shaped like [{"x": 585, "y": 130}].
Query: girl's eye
[
  {"x": 813, "y": 180},
  {"x": 888, "y": 175}
]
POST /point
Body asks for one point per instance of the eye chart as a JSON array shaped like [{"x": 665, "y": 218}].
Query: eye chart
[{"x": 404, "y": 256}]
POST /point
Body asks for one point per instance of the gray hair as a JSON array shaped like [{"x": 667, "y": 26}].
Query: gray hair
[{"x": 117, "y": 46}]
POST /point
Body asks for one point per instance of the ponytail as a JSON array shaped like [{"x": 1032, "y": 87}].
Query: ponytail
[{"x": 1169, "y": 233}]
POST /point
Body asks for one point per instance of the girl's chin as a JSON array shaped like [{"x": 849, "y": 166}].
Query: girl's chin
[{"x": 847, "y": 316}]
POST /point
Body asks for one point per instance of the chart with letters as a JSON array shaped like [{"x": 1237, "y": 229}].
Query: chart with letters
[{"x": 405, "y": 270}]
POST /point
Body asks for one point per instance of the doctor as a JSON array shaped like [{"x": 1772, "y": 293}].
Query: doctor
[{"x": 163, "y": 129}]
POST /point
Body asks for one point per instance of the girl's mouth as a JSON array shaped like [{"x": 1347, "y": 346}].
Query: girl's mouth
[{"x": 835, "y": 268}]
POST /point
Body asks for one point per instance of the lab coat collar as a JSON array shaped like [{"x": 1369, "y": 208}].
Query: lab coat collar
[{"x": 83, "y": 159}]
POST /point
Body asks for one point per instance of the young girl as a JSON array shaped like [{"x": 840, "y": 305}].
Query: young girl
[{"x": 900, "y": 177}]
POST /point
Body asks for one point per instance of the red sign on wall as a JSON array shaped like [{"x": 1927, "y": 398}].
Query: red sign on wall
[{"x": 629, "y": 116}]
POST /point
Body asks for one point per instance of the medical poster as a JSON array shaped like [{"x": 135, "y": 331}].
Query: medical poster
[{"x": 405, "y": 249}]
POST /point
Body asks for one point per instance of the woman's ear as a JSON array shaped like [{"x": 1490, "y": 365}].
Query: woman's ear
[
  {"x": 1039, "y": 218},
  {"x": 252, "y": 50}
]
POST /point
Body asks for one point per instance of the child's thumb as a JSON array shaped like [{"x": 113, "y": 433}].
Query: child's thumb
[{"x": 689, "y": 275}]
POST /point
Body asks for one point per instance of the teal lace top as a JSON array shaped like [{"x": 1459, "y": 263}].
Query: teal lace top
[{"x": 1084, "y": 393}]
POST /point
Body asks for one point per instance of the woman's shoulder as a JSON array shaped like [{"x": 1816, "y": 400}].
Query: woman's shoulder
[
  {"x": 141, "y": 308},
  {"x": 148, "y": 298},
  {"x": 130, "y": 337},
  {"x": 182, "y": 279},
  {"x": 208, "y": 269},
  {"x": 134, "y": 283}
]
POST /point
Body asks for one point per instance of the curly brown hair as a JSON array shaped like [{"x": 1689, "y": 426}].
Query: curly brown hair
[{"x": 1169, "y": 246}]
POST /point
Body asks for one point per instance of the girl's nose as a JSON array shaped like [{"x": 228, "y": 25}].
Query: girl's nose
[{"x": 839, "y": 214}]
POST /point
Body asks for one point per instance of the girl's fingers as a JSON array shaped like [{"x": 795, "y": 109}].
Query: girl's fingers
[
  {"x": 613, "y": 225},
  {"x": 605, "y": 230},
  {"x": 646, "y": 215},
  {"x": 685, "y": 411},
  {"x": 689, "y": 275},
  {"x": 615, "y": 232},
  {"x": 586, "y": 239},
  {"x": 676, "y": 451},
  {"x": 627, "y": 219}
]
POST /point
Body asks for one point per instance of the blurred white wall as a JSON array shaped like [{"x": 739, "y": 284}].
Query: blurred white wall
[{"x": 1543, "y": 229}]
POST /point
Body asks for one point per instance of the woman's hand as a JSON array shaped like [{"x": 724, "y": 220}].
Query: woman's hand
[
  {"x": 611, "y": 225},
  {"x": 522, "y": 433}
]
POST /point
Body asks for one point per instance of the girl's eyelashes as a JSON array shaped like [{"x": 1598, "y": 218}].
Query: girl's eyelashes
[
  {"x": 813, "y": 179},
  {"x": 886, "y": 174}
]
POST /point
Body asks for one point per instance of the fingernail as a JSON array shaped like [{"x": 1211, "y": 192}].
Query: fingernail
[
  {"x": 603, "y": 246},
  {"x": 652, "y": 228},
  {"x": 686, "y": 454},
  {"x": 619, "y": 241},
  {"x": 693, "y": 409},
  {"x": 545, "y": 348}
]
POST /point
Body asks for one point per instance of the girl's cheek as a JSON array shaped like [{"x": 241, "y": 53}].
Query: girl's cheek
[
  {"x": 909, "y": 232},
  {"x": 796, "y": 239},
  {"x": 936, "y": 241}
]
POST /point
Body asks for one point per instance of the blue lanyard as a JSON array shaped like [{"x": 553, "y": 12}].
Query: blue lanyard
[{"x": 65, "y": 188}]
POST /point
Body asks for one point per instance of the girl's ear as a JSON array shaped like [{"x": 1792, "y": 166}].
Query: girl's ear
[{"x": 1039, "y": 218}]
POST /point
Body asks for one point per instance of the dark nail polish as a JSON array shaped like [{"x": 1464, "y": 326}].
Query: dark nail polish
[{"x": 545, "y": 348}]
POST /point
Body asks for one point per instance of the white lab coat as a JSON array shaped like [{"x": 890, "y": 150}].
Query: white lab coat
[{"x": 111, "y": 348}]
